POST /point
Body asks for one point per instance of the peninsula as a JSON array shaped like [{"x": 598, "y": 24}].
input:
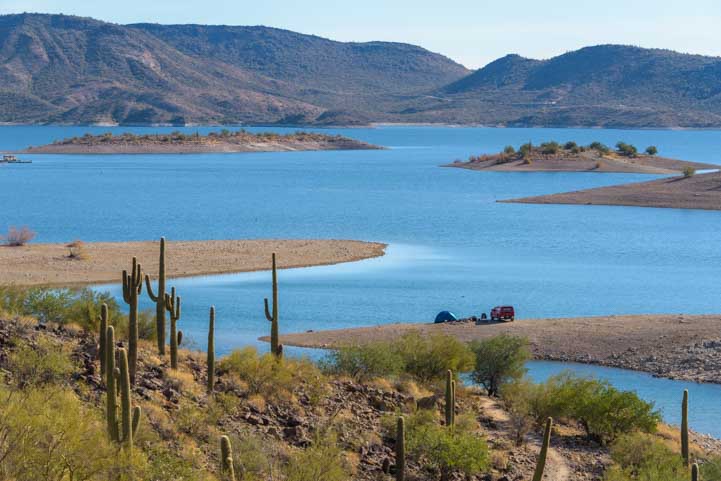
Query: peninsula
[
  {"x": 101, "y": 262},
  {"x": 675, "y": 346},
  {"x": 702, "y": 191},
  {"x": 570, "y": 157},
  {"x": 225, "y": 141}
]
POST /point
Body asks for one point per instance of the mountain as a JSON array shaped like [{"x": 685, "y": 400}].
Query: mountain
[
  {"x": 56, "y": 68},
  {"x": 64, "y": 69},
  {"x": 606, "y": 85}
]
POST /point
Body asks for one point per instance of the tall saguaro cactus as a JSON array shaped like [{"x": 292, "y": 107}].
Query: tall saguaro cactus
[
  {"x": 450, "y": 401},
  {"x": 111, "y": 410},
  {"x": 694, "y": 472},
  {"x": 226, "y": 459},
  {"x": 101, "y": 342},
  {"x": 129, "y": 416},
  {"x": 211, "y": 350},
  {"x": 132, "y": 287},
  {"x": 172, "y": 304},
  {"x": 159, "y": 299},
  {"x": 400, "y": 450},
  {"x": 541, "y": 464},
  {"x": 275, "y": 346},
  {"x": 684, "y": 429}
]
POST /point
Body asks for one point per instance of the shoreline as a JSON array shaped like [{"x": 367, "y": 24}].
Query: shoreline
[
  {"x": 673, "y": 346},
  {"x": 49, "y": 264}
]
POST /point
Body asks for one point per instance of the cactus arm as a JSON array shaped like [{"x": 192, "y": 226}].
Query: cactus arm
[
  {"x": 126, "y": 287},
  {"x": 684, "y": 429},
  {"x": 111, "y": 401},
  {"x": 267, "y": 311},
  {"x": 541, "y": 465},
  {"x": 226, "y": 459},
  {"x": 400, "y": 450},
  {"x": 449, "y": 398},
  {"x": 125, "y": 410},
  {"x": 180, "y": 337},
  {"x": 149, "y": 288},
  {"x": 694, "y": 472},
  {"x": 136, "y": 420}
]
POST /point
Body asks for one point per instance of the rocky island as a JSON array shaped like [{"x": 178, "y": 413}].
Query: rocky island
[
  {"x": 570, "y": 157},
  {"x": 225, "y": 141}
]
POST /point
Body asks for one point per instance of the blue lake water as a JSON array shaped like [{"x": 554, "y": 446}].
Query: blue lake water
[{"x": 452, "y": 246}]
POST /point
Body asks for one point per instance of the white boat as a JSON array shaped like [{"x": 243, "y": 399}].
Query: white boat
[{"x": 11, "y": 159}]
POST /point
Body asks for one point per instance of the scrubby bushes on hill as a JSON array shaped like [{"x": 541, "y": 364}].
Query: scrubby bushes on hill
[
  {"x": 425, "y": 358},
  {"x": 640, "y": 457}
]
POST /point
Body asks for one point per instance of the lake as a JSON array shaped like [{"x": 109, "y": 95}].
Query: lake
[{"x": 452, "y": 246}]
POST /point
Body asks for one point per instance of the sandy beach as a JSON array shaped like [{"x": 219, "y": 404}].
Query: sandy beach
[
  {"x": 49, "y": 264},
  {"x": 676, "y": 346},
  {"x": 702, "y": 191}
]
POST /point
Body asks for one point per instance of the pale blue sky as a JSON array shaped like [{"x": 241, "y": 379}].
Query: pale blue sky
[{"x": 473, "y": 32}]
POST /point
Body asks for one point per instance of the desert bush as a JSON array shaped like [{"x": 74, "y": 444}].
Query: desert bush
[
  {"x": 599, "y": 147},
  {"x": 364, "y": 363},
  {"x": 18, "y": 237},
  {"x": 509, "y": 150},
  {"x": 570, "y": 145},
  {"x": 60, "y": 305},
  {"x": 627, "y": 150},
  {"x": 499, "y": 360},
  {"x": 273, "y": 378},
  {"x": 518, "y": 400},
  {"x": 322, "y": 460},
  {"x": 49, "y": 434},
  {"x": 641, "y": 457},
  {"x": 689, "y": 171},
  {"x": 651, "y": 150},
  {"x": 526, "y": 150},
  {"x": 76, "y": 250},
  {"x": 45, "y": 362},
  {"x": 551, "y": 147}
]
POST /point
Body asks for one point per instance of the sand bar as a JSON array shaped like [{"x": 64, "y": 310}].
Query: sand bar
[
  {"x": 671, "y": 345},
  {"x": 48, "y": 264},
  {"x": 701, "y": 191}
]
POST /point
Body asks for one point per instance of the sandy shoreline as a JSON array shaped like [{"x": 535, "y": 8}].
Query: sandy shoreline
[
  {"x": 702, "y": 191},
  {"x": 48, "y": 264},
  {"x": 675, "y": 346}
]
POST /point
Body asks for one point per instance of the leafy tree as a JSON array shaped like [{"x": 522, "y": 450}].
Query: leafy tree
[
  {"x": 366, "y": 362},
  {"x": 627, "y": 150},
  {"x": 509, "y": 150},
  {"x": 499, "y": 360},
  {"x": 651, "y": 150},
  {"x": 550, "y": 148},
  {"x": 570, "y": 145},
  {"x": 599, "y": 147},
  {"x": 689, "y": 171},
  {"x": 526, "y": 150}
]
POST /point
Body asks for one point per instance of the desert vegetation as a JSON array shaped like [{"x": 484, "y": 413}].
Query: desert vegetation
[
  {"x": 17, "y": 237},
  {"x": 89, "y": 393}
]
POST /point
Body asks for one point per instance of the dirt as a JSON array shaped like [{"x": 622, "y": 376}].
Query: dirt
[
  {"x": 101, "y": 262},
  {"x": 702, "y": 191},
  {"x": 675, "y": 346},
  {"x": 588, "y": 161}
]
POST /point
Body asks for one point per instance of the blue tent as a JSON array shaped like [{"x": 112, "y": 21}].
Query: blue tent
[{"x": 445, "y": 316}]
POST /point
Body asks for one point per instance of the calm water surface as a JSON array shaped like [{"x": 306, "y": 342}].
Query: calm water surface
[{"x": 451, "y": 245}]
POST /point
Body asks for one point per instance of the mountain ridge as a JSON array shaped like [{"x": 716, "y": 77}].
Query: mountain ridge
[{"x": 78, "y": 70}]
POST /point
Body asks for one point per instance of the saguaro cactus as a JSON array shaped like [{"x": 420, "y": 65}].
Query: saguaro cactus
[
  {"x": 129, "y": 416},
  {"x": 132, "y": 287},
  {"x": 101, "y": 342},
  {"x": 211, "y": 350},
  {"x": 159, "y": 299},
  {"x": 111, "y": 411},
  {"x": 172, "y": 303},
  {"x": 684, "y": 429},
  {"x": 400, "y": 450},
  {"x": 694, "y": 472},
  {"x": 275, "y": 346},
  {"x": 541, "y": 465},
  {"x": 450, "y": 401},
  {"x": 226, "y": 459}
]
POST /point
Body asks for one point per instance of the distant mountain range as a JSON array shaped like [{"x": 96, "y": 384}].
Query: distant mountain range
[{"x": 72, "y": 70}]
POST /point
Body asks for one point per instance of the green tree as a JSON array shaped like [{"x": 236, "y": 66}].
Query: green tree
[
  {"x": 651, "y": 150},
  {"x": 499, "y": 360}
]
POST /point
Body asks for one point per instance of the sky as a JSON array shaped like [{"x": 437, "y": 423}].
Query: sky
[{"x": 472, "y": 32}]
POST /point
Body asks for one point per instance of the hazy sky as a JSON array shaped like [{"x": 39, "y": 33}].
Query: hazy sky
[{"x": 473, "y": 32}]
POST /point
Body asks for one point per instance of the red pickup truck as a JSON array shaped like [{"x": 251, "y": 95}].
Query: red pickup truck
[{"x": 503, "y": 313}]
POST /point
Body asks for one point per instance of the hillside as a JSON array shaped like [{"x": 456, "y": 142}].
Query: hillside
[{"x": 64, "y": 69}]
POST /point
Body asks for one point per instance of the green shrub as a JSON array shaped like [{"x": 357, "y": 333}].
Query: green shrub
[
  {"x": 526, "y": 150},
  {"x": 322, "y": 461},
  {"x": 640, "y": 457},
  {"x": 43, "y": 363},
  {"x": 570, "y": 145},
  {"x": 599, "y": 147},
  {"x": 651, "y": 150},
  {"x": 49, "y": 434},
  {"x": 518, "y": 398},
  {"x": 429, "y": 357},
  {"x": 273, "y": 378},
  {"x": 689, "y": 171},
  {"x": 60, "y": 305},
  {"x": 549, "y": 148},
  {"x": 627, "y": 150},
  {"x": 499, "y": 360},
  {"x": 509, "y": 150},
  {"x": 365, "y": 362}
]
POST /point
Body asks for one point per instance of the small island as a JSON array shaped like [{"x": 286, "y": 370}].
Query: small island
[
  {"x": 224, "y": 141},
  {"x": 570, "y": 157}
]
